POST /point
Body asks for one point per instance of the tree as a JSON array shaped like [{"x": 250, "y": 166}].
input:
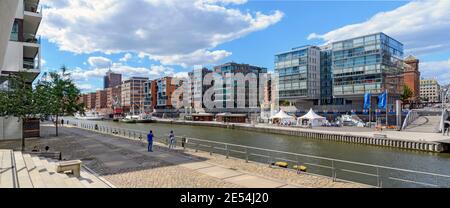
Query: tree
[
  {"x": 19, "y": 100},
  {"x": 59, "y": 96},
  {"x": 285, "y": 103},
  {"x": 407, "y": 93}
]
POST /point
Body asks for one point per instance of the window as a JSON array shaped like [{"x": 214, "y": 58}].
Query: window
[{"x": 15, "y": 31}]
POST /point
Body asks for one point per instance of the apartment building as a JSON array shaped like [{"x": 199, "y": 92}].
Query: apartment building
[
  {"x": 234, "y": 99},
  {"x": 198, "y": 88},
  {"x": 299, "y": 75},
  {"x": 101, "y": 99},
  {"x": 132, "y": 98},
  {"x": 113, "y": 96},
  {"x": 19, "y": 51},
  {"x": 371, "y": 63},
  {"x": 430, "y": 90},
  {"x": 91, "y": 101},
  {"x": 150, "y": 100},
  {"x": 83, "y": 99}
]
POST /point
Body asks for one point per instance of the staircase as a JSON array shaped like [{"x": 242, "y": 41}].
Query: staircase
[{"x": 19, "y": 170}]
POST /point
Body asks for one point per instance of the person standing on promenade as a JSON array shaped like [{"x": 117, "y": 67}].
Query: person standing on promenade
[
  {"x": 150, "y": 141},
  {"x": 171, "y": 140}
]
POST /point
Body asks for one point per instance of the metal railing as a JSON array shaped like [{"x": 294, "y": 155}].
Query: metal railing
[
  {"x": 335, "y": 169},
  {"x": 29, "y": 64},
  {"x": 31, "y": 38},
  {"x": 411, "y": 117}
]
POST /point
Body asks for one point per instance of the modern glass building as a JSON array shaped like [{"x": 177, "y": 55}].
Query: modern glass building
[
  {"x": 326, "y": 76},
  {"x": 299, "y": 74},
  {"x": 371, "y": 63},
  {"x": 230, "y": 95}
]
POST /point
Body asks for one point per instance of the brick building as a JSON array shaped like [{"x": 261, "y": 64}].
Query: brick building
[
  {"x": 113, "y": 94},
  {"x": 411, "y": 77},
  {"x": 100, "y": 99},
  {"x": 91, "y": 100},
  {"x": 132, "y": 98}
]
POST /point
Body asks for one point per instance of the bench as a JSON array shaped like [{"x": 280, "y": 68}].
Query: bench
[
  {"x": 73, "y": 165},
  {"x": 51, "y": 155},
  {"x": 280, "y": 164}
]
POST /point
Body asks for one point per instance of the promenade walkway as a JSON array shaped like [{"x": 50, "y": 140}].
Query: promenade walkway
[{"x": 126, "y": 163}]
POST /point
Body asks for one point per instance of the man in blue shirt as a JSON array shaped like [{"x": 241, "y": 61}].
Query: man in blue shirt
[{"x": 150, "y": 141}]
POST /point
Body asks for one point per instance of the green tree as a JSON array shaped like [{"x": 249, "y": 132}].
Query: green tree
[
  {"x": 285, "y": 103},
  {"x": 407, "y": 93},
  {"x": 19, "y": 100},
  {"x": 59, "y": 96}
]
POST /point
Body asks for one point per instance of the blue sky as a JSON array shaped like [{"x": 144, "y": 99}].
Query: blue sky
[{"x": 170, "y": 39}]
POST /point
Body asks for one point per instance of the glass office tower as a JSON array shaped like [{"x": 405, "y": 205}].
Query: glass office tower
[
  {"x": 299, "y": 74},
  {"x": 371, "y": 63}
]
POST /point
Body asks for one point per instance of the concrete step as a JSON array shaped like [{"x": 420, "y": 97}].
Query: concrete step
[
  {"x": 85, "y": 181},
  {"x": 45, "y": 175},
  {"x": 6, "y": 169},
  {"x": 57, "y": 178},
  {"x": 35, "y": 176},
  {"x": 22, "y": 172}
]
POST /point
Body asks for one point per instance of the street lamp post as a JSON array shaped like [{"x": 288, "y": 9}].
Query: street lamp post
[{"x": 444, "y": 95}]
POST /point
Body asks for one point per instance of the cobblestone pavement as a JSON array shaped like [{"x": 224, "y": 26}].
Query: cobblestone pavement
[{"x": 125, "y": 163}]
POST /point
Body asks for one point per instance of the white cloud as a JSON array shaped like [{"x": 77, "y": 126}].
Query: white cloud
[
  {"x": 85, "y": 87},
  {"x": 126, "y": 57},
  {"x": 439, "y": 70},
  {"x": 99, "y": 62},
  {"x": 153, "y": 72},
  {"x": 200, "y": 56},
  {"x": 422, "y": 26},
  {"x": 173, "y": 31}
]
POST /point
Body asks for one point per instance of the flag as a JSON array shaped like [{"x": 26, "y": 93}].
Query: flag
[
  {"x": 382, "y": 100},
  {"x": 367, "y": 101}
]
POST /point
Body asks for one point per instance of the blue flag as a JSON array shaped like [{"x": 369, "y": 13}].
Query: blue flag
[
  {"x": 367, "y": 101},
  {"x": 382, "y": 100}
]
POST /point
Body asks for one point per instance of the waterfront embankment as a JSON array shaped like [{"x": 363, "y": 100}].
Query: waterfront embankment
[
  {"x": 429, "y": 142},
  {"x": 127, "y": 164}
]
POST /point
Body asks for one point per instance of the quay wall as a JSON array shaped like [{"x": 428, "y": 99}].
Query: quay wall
[{"x": 332, "y": 136}]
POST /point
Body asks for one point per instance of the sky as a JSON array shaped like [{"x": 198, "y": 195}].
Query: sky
[{"x": 155, "y": 38}]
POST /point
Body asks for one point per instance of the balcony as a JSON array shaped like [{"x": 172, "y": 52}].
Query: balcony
[
  {"x": 31, "y": 38},
  {"x": 32, "y": 6},
  {"x": 29, "y": 64}
]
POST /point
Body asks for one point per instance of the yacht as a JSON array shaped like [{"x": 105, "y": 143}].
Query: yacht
[
  {"x": 130, "y": 119},
  {"x": 90, "y": 115}
]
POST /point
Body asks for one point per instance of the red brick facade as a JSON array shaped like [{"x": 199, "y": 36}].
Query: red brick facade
[{"x": 411, "y": 77}]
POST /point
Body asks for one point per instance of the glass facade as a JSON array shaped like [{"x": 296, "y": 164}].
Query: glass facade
[
  {"x": 326, "y": 80},
  {"x": 228, "y": 72},
  {"x": 371, "y": 63},
  {"x": 299, "y": 73}
]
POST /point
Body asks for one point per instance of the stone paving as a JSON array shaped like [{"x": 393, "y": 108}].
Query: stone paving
[{"x": 125, "y": 163}]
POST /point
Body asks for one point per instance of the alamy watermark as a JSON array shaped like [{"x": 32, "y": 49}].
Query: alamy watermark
[{"x": 210, "y": 90}]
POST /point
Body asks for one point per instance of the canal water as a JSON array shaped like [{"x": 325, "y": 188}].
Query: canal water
[{"x": 384, "y": 156}]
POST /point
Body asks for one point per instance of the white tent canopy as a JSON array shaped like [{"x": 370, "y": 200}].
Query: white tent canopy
[
  {"x": 283, "y": 116},
  {"x": 311, "y": 118}
]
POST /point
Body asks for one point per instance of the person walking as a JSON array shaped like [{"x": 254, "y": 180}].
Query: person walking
[
  {"x": 150, "y": 141},
  {"x": 171, "y": 140}
]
